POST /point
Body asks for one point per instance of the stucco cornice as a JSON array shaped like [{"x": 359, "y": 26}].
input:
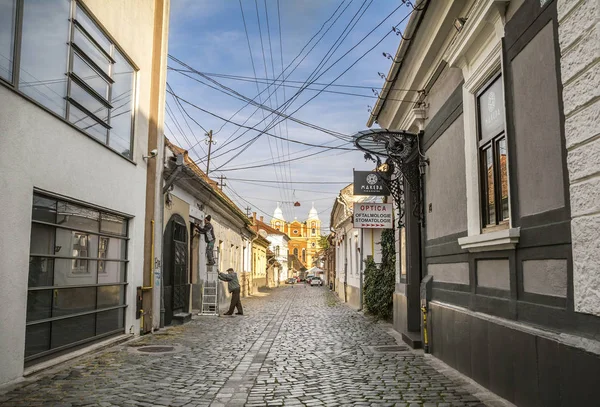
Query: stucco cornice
[{"x": 484, "y": 12}]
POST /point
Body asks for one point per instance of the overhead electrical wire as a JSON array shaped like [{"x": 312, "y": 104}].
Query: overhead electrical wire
[
  {"x": 246, "y": 201},
  {"x": 290, "y": 64},
  {"x": 230, "y": 92},
  {"x": 254, "y": 139},
  {"x": 306, "y": 88},
  {"x": 268, "y": 97},
  {"x": 249, "y": 143},
  {"x": 279, "y": 162},
  {"x": 347, "y": 52},
  {"x": 252, "y": 128},
  {"x": 282, "y": 169},
  {"x": 271, "y": 126},
  {"x": 252, "y": 79},
  {"x": 333, "y": 64},
  {"x": 287, "y": 133},
  {"x": 296, "y": 189},
  {"x": 296, "y": 182}
]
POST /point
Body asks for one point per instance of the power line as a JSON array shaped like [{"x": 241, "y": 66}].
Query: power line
[
  {"x": 354, "y": 63},
  {"x": 230, "y": 92},
  {"x": 287, "y": 134},
  {"x": 301, "y": 190},
  {"x": 246, "y": 146},
  {"x": 296, "y": 182},
  {"x": 247, "y": 202},
  {"x": 252, "y": 79},
  {"x": 289, "y": 65},
  {"x": 281, "y": 162},
  {"x": 186, "y": 114},
  {"x": 252, "y": 128},
  {"x": 268, "y": 97},
  {"x": 306, "y": 88},
  {"x": 339, "y": 59}
]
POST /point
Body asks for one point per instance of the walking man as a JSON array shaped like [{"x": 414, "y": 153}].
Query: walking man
[
  {"x": 209, "y": 238},
  {"x": 234, "y": 288}
]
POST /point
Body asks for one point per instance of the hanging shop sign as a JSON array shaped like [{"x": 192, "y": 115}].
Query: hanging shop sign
[
  {"x": 373, "y": 216},
  {"x": 369, "y": 183}
]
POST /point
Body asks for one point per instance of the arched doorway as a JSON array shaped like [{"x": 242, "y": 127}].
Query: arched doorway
[{"x": 175, "y": 280}]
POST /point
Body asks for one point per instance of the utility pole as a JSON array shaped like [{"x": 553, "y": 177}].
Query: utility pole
[
  {"x": 222, "y": 184},
  {"x": 210, "y": 142},
  {"x": 248, "y": 209}
]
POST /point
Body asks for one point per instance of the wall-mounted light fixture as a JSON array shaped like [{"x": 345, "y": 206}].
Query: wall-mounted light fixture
[
  {"x": 459, "y": 23},
  {"x": 152, "y": 154}
]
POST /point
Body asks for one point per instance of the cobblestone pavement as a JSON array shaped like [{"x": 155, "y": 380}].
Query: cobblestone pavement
[{"x": 296, "y": 346}]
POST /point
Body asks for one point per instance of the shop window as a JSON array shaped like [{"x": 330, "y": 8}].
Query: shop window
[{"x": 77, "y": 275}]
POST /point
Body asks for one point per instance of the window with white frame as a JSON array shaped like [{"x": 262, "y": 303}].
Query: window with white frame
[
  {"x": 58, "y": 56},
  {"x": 492, "y": 154}
]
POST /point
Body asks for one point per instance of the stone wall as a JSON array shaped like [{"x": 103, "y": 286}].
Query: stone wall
[{"x": 579, "y": 37}]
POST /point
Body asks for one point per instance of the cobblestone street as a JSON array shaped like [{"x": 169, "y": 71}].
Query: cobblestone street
[{"x": 296, "y": 346}]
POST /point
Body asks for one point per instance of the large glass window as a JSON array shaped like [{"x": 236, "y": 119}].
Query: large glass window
[
  {"x": 77, "y": 275},
  {"x": 68, "y": 64},
  {"x": 8, "y": 10},
  {"x": 493, "y": 155},
  {"x": 44, "y": 52}
]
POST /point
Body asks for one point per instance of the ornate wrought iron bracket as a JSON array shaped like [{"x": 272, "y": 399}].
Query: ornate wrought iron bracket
[{"x": 400, "y": 163}]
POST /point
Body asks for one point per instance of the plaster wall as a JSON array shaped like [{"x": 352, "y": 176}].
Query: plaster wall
[
  {"x": 493, "y": 274},
  {"x": 440, "y": 92},
  {"x": 546, "y": 277},
  {"x": 456, "y": 273},
  {"x": 38, "y": 150},
  {"x": 512, "y": 7},
  {"x": 538, "y": 128},
  {"x": 445, "y": 189},
  {"x": 579, "y": 39}
]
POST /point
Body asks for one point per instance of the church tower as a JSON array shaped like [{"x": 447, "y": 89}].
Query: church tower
[
  {"x": 313, "y": 232},
  {"x": 278, "y": 221}
]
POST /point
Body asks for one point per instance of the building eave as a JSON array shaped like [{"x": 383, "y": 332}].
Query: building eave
[{"x": 392, "y": 76}]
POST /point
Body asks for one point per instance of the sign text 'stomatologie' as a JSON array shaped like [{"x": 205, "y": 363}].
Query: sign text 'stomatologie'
[{"x": 373, "y": 216}]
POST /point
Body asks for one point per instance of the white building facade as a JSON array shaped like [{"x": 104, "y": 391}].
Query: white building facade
[
  {"x": 80, "y": 108},
  {"x": 197, "y": 196},
  {"x": 352, "y": 247}
]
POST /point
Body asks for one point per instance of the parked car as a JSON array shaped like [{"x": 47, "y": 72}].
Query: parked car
[
  {"x": 290, "y": 280},
  {"x": 308, "y": 278},
  {"x": 316, "y": 281}
]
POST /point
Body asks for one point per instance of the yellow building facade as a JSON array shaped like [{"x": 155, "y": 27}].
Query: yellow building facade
[{"x": 304, "y": 236}]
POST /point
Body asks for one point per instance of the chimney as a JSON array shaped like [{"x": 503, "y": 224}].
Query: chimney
[
  {"x": 261, "y": 219},
  {"x": 254, "y": 215}
]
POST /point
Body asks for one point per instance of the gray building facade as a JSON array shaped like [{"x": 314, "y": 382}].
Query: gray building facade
[{"x": 506, "y": 304}]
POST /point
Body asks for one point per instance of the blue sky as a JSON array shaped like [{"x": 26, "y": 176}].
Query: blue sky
[{"x": 209, "y": 36}]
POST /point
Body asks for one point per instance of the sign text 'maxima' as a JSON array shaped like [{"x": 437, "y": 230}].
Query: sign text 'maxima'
[{"x": 373, "y": 208}]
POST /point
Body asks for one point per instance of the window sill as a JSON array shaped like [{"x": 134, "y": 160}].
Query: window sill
[{"x": 500, "y": 240}]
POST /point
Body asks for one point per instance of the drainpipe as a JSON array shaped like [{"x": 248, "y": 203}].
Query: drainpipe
[
  {"x": 360, "y": 277},
  {"x": 345, "y": 270}
]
